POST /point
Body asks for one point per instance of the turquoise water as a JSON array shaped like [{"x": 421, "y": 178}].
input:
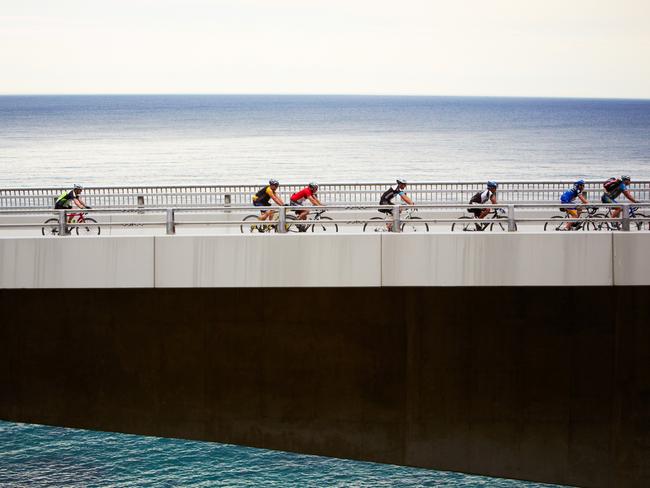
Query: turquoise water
[{"x": 39, "y": 456}]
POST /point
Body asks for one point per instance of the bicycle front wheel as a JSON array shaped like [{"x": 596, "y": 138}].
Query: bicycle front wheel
[
  {"x": 557, "y": 223},
  {"x": 289, "y": 226},
  {"x": 414, "y": 224},
  {"x": 599, "y": 224},
  {"x": 50, "y": 227},
  {"x": 88, "y": 230},
  {"x": 318, "y": 227},
  {"x": 639, "y": 225},
  {"x": 500, "y": 223},
  {"x": 376, "y": 224}
]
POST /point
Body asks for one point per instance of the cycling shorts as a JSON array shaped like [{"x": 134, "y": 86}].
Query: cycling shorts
[
  {"x": 386, "y": 210},
  {"x": 295, "y": 204},
  {"x": 475, "y": 211},
  {"x": 262, "y": 204},
  {"x": 607, "y": 199},
  {"x": 63, "y": 206}
]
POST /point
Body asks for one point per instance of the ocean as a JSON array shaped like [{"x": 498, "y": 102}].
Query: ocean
[
  {"x": 221, "y": 139},
  {"x": 40, "y": 456}
]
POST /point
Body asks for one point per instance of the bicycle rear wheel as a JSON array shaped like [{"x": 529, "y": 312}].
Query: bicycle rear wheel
[
  {"x": 376, "y": 224},
  {"x": 466, "y": 226},
  {"x": 414, "y": 224},
  {"x": 599, "y": 224},
  {"x": 557, "y": 223},
  {"x": 88, "y": 230},
  {"x": 318, "y": 227},
  {"x": 50, "y": 227},
  {"x": 256, "y": 226}
]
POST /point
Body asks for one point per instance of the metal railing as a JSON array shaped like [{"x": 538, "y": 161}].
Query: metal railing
[
  {"x": 334, "y": 193},
  {"x": 514, "y": 216}
]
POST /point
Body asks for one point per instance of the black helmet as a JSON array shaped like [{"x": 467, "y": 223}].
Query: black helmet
[
  {"x": 626, "y": 178},
  {"x": 274, "y": 182},
  {"x": 313, "y": 186}
]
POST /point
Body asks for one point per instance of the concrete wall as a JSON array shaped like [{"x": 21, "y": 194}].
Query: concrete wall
[
  {"x": 542, "y": 383},
  {"x": 315, "y": 260}
]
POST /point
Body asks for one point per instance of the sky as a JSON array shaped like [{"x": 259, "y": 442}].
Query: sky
[{"x": 549, "y": 48}]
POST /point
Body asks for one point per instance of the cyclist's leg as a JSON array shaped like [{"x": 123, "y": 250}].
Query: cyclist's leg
[
  {"x": 389, "y": 222},
  {"x": 484, "y": 212},
  {"x": 572, "y": 214}
]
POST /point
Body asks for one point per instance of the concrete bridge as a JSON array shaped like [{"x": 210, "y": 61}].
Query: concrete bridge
[{"x": 515, "y": 354}]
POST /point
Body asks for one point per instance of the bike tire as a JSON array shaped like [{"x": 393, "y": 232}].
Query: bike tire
[
  {"x": 374, "y": 226},
  {"x": 256, "y": 227},
  {"x": 50, "y": 227},
  {"x": 316, "y": 227},
  {"x": 464, "y": 226},
  {"x": 92, "y": 230},
  {"x": 500, "y": 223},
  {"x": 412, "y": 225},
  {"x": 289, "y": 226},
  {"x": 548, "y": 226},
  {"x": 640, "y": 225},
  {"x": 600, "y": 225}
]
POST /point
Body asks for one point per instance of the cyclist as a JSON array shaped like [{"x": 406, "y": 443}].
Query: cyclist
[
  {"x": 297, "y": 199},
  {"x": 263, "y": 199},
  {"x": 613, "y": 190},
  {"x": 483, "y": 197},
  {"x": 67, "y": 198},
  {"x": 576, "y": 191},
  {"x": 387, "y": 199}
]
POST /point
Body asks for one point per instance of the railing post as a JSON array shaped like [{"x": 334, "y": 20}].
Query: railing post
[
  {"x": 625, "y": 217},
  {"x": 63, "y": 217},
  {"x": 512, "y": 226},
  {"x": 226, "y": 201},
  {"x": 282, "y": 220},
  {"x": 169, "y": 221},
  {"x": 397, "y": 223}
]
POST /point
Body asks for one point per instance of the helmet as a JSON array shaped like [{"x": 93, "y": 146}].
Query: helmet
[
  {"x": 274, "y": 182},
  {"x": 313, "y": 186},
  {"x": 401, "y": 181},
  {"x": 492, "y": 184},
  {"x": 579, "y": 183},
  {"x": 78, "y": 187},
  {"x": 625, "y": 177}
]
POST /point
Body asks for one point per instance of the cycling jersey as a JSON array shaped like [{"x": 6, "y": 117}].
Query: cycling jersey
[
  {"x": 263, "y": 197},
  {"x": 65, "y": 199},
  {"x": 617, "y": 191},
  {"x": 570, "y": 195},
  {"x": 388, "y": 195},
  {"x": 300, "y": 196},
  {"x": 482, "y": 196}
]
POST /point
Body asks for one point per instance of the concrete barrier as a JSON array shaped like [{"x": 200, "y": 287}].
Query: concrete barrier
[
  {"x": 268, "y": 260},
  {"x": 631, "y": 258},
  {"x": 496, "y": 259},
  {"x": 97, "y": 262}
]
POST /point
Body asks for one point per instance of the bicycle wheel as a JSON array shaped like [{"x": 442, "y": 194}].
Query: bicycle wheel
[
  {"x": 290, "y": 225},
  {"x": 256, "y": 226},
  {"x": 412, "y": 225},
  {"x": 317, "y": 227},
  {"x": 88, "y": 230},
  {"x": 556, "y": 224},
  {"x": 501, "y": 223},
  {"x": 599, "y": 224},
  {"x": 466, "y": 226},
  {"x": 639, "y": 225},
  {"x": 376, "y": 224},
  {"x": 50, "y": 227}
]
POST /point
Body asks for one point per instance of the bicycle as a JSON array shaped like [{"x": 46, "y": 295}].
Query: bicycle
[
  {"x": 409, "y": 223},
  {"x": 316, "y": 227},
  {"x": 51, "y": 226},
  {"x": 559, "y": 221},
  {"x": 616, "y": 225},
  {"x": 257, "y": 226},
  {"x": 495, "y": 220}
]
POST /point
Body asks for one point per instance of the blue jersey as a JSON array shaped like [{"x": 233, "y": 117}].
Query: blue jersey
[
  {"x": 618, "y": 190},
  {"x": 570, "y": 195}
]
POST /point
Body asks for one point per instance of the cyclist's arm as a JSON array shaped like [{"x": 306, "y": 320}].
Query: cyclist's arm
[
  {"x": 314, "y": 200},
  {"x": 628, "y": 195},
  {"x": 493, "y": 199},
  {"x": 406, "y": 198},
  {"x": 79, "y": 203},
  {"x": 277, "y": 199},
  {"x": 582, "y": 198}
]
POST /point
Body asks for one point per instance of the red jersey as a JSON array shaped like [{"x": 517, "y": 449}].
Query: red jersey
[{"x": 300, "y": 196}]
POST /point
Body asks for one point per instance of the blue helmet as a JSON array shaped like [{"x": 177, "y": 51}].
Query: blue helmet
[
  {"x": 492, "y": 184},
  {"x": 579, "y": 183}
]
